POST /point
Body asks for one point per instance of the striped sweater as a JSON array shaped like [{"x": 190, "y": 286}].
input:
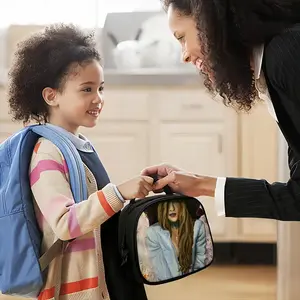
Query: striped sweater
[{"x": 82, "y": 269}]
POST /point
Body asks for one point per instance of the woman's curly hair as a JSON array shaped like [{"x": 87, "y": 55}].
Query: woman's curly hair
[
  {"x": 44, "y": 60},
  {"x": 228, "y": 31}
]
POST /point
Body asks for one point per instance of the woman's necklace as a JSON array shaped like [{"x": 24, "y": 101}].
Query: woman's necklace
[{"x": 176, "y": 237}]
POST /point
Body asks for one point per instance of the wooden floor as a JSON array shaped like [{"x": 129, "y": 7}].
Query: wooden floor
[
  {"x": 216, "y": 283},
  {"x": 221, "y": 283}
]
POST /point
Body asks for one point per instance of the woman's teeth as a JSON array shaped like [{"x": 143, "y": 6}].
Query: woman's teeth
[{"x": 94, "y": 113}]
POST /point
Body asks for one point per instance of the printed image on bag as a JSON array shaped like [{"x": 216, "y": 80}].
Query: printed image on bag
[{"x": 165, "y": 238}]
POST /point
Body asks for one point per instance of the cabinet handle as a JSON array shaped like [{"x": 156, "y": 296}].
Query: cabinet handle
[
  {"x": 192, "y": 106},
  {"x": 220, "y": 143}
]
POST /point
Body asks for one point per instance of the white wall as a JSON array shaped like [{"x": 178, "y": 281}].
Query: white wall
[{"x": 87, "y": 13}]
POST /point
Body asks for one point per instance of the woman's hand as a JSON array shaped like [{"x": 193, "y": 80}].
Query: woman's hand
[{"x": 181, "y": 181}]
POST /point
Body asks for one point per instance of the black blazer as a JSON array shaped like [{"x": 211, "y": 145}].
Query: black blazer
[{"x": 259, "y": 198}]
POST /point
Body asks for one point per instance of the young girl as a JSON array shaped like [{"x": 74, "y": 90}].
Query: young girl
[{"x": 57, "y": 79}]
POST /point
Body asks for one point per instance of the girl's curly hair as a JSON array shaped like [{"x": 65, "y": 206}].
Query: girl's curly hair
[
  {"x": 44, "y": 60},
  {"x": 228, "y": 32}
]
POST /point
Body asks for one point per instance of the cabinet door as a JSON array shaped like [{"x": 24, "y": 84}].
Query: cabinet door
[
  {"x": 17, "y": 33},
  {"x": 122, "y": 147},
  {"x": 198, "y": 147},
  {"x": 7, "y": 129},
  {"x": 4, "y": 109},
  {"x": 259, "y": 152}
]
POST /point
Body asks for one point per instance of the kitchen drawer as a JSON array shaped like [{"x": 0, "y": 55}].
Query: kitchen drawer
[
  {"x": 188, "y": 105},
  {"x": 125, "y": 104}
]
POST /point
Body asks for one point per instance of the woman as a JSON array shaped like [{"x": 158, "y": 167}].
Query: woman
[
  {"x": 176, "y": 243},
  {"x": 244, "y": 49}
]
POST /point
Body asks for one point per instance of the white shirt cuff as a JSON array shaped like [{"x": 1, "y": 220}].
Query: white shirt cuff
[{"x": 220, "y": 196}]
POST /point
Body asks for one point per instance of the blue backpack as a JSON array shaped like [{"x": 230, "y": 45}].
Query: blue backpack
[{"x": 21, "y": 265}]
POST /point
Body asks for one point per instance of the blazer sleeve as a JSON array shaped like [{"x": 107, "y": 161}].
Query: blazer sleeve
[
  {"x": 259, "y": 198},
  {"x": 50, "y": 186}
]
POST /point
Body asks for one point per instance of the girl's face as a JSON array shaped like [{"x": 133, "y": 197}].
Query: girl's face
[
  {"x": 173, "y": 211},
  {"x": 185, "y": 31},
  {"x": 81, "y": 99}
]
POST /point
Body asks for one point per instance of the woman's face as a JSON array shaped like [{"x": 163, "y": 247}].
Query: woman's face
[
  {"x": 173, "y": 211},
  {"x": 185, "y": 31}
]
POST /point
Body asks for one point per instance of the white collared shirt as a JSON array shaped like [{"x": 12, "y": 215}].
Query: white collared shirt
[
  {"x": 80, "y": 142},
  {"x": 263, "y": 92}
]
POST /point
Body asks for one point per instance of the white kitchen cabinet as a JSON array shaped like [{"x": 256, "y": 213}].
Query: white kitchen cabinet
[
  {"x": 122, "y": 146},
  {"x": 7, "y": 129},
  {"x": 258, "y": 159},
  {"x": 140, "y": 127},
  {"x": 197, "y": 147},
  {"x": 199, "y": 135},
  {"x": 122, "y": 137},
  {"x": 4, "y": 116},
  {"x": 145, "y": 125}
]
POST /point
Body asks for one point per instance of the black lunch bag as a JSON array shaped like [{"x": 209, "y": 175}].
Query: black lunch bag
[{"x": 128, "y": 226}]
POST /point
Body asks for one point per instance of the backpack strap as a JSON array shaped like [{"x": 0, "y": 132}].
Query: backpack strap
[
  {"x": 57, "y": 248},
  {"x": 78, "y": 188},
  {"x": 55, "y": 251},
  {"x": 72, "y": 157}
]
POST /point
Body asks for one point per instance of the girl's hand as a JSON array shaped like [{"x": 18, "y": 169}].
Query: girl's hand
[{"x": 138, "y": 187}]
